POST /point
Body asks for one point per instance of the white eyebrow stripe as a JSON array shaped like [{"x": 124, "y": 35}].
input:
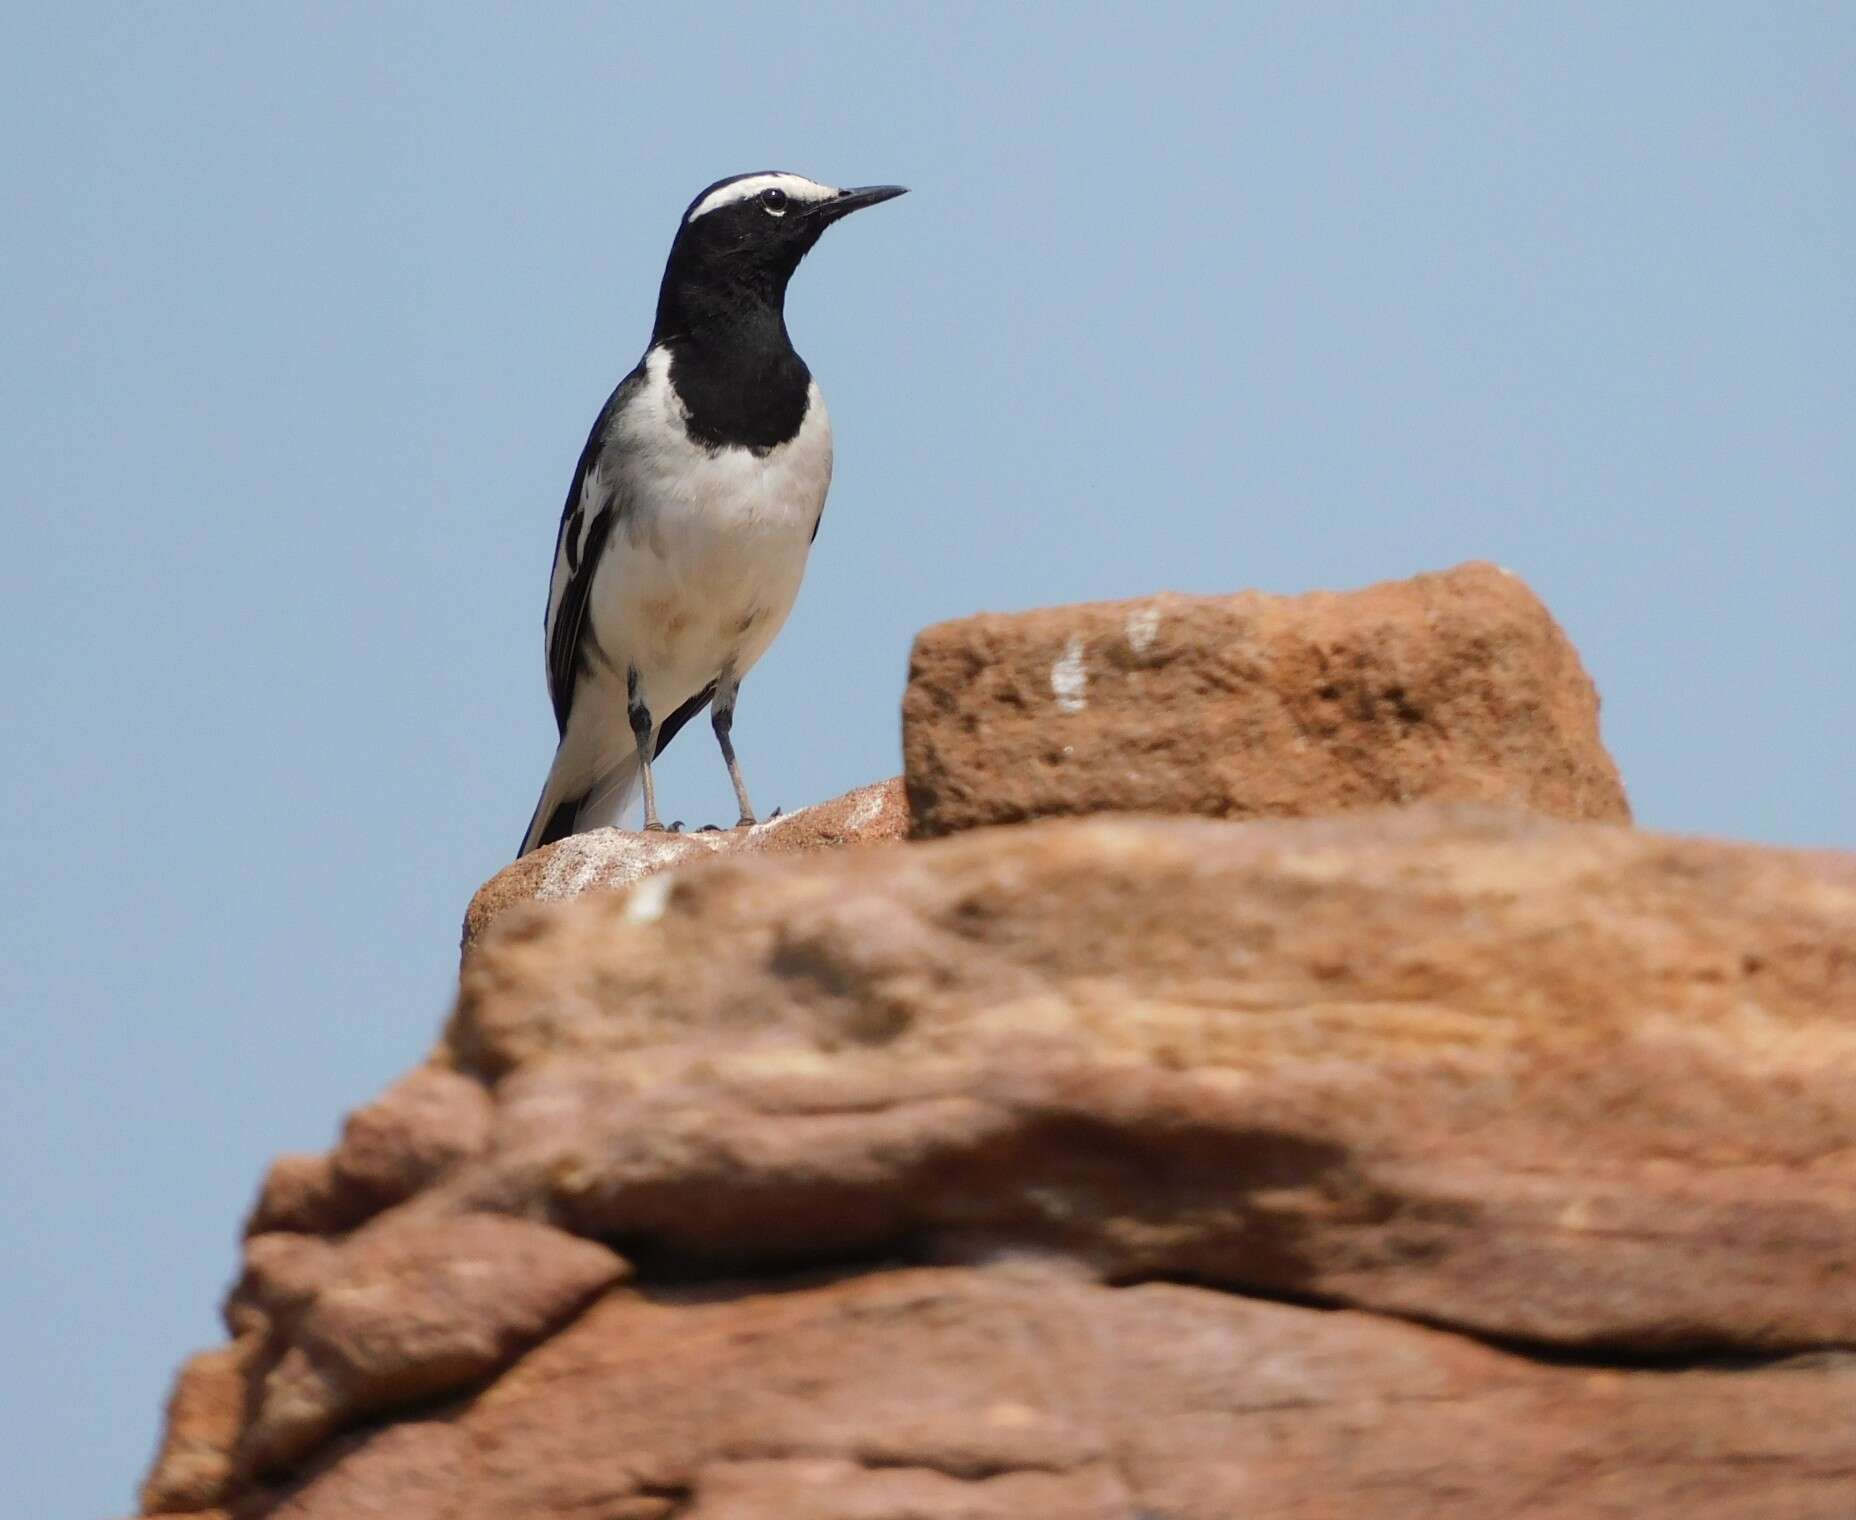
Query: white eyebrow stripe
[{"x": 796, "y": 186}]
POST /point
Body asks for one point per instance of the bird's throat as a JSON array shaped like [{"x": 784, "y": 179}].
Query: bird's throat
[{"x": 741, "y": 384}]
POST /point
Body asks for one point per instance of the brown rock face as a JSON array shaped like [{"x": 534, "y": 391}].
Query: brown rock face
[
  {"x": 1442, "y": 1160},
  {"x": 1534, "y": 1083},
  {"x": 423, "y": 1124},
  {"x": 957, "y": 1394},
  {"x": 1574, "y": 1085},
  {"x": 401, "y": 1311},
  {"x": 1458, "y": 686},
  {"x": 607, "y": 859},
  {"x": 206, "y": 1415}
]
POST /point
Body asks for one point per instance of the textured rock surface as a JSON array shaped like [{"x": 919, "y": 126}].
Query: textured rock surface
[
  {"x": 206, "y": 1415},
  {"x": 403, "y": 1310},
  {"x": 1573, "y": 1084},
  {"x": 989, "y": 1395},
  {"x": 425, "y": 1123},
  {"x": 1456, "y": 686},
  {"x": 1053, "y": 1100},
  {"x": 607, "y": 859}
]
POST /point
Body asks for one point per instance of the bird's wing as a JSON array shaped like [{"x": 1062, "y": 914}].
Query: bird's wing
[{"x": 592, "y": 509}]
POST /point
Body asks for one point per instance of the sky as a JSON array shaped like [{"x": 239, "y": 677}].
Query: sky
[{"x": 307, "y": 311}]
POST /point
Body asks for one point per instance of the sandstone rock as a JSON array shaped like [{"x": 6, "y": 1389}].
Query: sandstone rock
[
  {"x": 1455, "y": 686},
  {"x": 390, "y": 1149},
  {"x": 608, "y": 859},
  {"x": 1059, "y": 1097},
  {"x": 424, "y": 1123},
  {"x": 960, "y": 1394},
  {"x": 406, "y": 1309},
  {"x": 206, "y": 1413},
  {"x": 301, "y": 1194},
  {"x": 1576, "y": 1085}
]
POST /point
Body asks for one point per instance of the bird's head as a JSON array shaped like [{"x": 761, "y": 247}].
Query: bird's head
[{"x": 743, "y": 237}]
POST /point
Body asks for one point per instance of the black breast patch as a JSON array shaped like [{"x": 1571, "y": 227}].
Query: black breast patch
[{"x": 750, "y": 396}]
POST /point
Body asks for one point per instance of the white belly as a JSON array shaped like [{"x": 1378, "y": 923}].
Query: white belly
[{"x": 706, "y": 560}]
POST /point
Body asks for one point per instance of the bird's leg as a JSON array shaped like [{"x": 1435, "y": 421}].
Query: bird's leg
[
  {"x": 644, "y": 733},
  {"x": 722, "y": 718}
]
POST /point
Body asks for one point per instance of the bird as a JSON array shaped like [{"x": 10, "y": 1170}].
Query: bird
[{"x": 693, "y": 507}]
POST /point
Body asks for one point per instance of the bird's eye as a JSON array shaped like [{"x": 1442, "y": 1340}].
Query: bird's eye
[{"x": 774, "y": 201}]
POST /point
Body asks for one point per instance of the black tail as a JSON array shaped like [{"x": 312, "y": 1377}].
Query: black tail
[
  {"x": 555, "y": 816},
  {"x": 558, "y": 825}
]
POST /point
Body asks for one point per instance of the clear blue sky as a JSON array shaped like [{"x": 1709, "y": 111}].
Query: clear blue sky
[{"x": 307, "y": 310}]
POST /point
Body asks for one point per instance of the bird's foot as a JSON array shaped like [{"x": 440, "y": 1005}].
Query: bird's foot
[
  {"x": 746, "y": 821},
  {"x": 654, "y": 826}
]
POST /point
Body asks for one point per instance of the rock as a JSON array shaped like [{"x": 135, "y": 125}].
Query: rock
[
  {"x": 206, "y": 1413},
  {"x": 960, "y": 1394},
  {"x": 1057, "y": 1135},
  {"x": 423, "y": 1124},
  {"x": 1455, "y": 686},
  {"x": 609, "y": 859},
  {"x": 301, "y": 1194},
  {"x": 1565, "y": 1084},
  {"x": 406, "y": 1309}
]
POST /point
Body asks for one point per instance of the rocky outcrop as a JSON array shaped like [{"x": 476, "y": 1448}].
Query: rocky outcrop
[
  {"x": 330, "y": 1332},
  {"x": 206, "y": 1415},
  {"x": 1444, "y": 1159},
  {"x": 956, "y": 1394},
  {"x": 604, "y": 860},
  {"x": 1574, "y": 1085},
  {"x": 389, "y": 1150},
  {"x": 1543, "y": 1084},
  {"x": 1457, "y": 686}
]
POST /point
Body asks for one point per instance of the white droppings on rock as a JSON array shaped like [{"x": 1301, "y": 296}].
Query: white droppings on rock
[
  {"x": 574, "y": 866},
  {"x": 866, "y": 812},
  {"x": 1143, "y": 628},
  {"x": 644, "y": 904},
  {"x": 605, "y": 859},
  {"x": 1069, "y": 681}
]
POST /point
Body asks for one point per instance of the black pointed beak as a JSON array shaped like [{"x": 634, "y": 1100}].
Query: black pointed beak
[{"x": 847, "y": 201}]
